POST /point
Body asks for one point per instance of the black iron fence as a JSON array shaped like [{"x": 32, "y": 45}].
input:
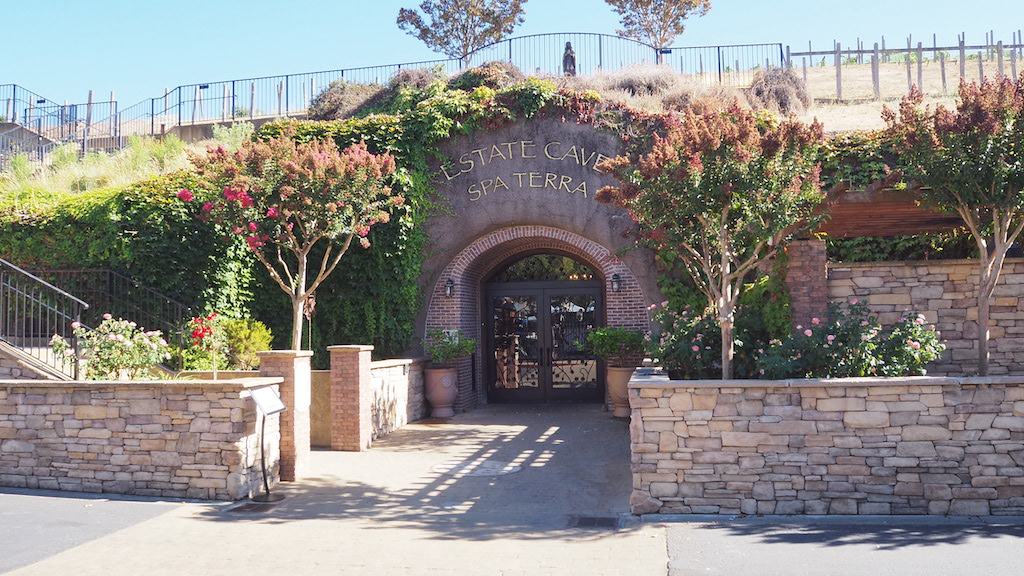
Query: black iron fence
[
  {"x": 103, "y": 126},
  {"x": 32, "y": 311},
  {"x": 122, "y": 297}
]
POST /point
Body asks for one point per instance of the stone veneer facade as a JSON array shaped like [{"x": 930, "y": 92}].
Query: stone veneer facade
[
  {"x": 176, "y": 439},
  {"x": 946, "y": 292},
  {"x": 920, "y": 445}
]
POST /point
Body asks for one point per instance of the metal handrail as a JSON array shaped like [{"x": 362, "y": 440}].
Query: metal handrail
[
  {"x": 32, "y": 310},
  {"x": 122, "y": 296}
]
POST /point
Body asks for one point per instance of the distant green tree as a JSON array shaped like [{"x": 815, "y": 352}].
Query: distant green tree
[
  {"x": 970, "y": 161},
  {"x": 656, "y": 22},
  {"x": 457, "y": 28}
]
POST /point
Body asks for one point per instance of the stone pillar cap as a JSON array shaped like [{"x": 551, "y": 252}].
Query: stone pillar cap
[
  {"x": 352, "y": 347},
  {"x": 285, "y": 353}
]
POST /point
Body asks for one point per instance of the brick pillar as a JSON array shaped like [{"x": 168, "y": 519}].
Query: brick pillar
[
  {"x": 293, "y": 366},
  {"x": 351, "y": 417},
  {"x": 807, "y": 280}
]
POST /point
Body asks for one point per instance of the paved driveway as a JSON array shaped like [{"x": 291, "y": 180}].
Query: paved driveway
[{"x": 494, "y": 491}]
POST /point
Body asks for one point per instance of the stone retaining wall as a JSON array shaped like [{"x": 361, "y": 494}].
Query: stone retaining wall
[
  {"x": 397, "y": 396},
  {"x": 870, "y": 446},
  {"x": 946, "y": 292},
  {"x": 176, "y": 439}
]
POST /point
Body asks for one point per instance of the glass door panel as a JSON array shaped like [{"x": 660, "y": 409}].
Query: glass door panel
[
  {"x": 573, "y": 370},
  {"x": 538, "y": 337},
  {"x": 516, "y": 347}
]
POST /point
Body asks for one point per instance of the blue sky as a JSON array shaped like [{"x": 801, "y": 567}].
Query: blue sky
[{"x": 138, "y": 48}]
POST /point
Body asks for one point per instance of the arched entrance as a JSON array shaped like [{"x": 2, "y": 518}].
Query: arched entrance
[
  {"x": 463, "y": 292},
  {"x": 538, "y": 312}
]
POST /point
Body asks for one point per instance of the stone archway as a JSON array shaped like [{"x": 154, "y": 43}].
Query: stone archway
[{"x": 477, "y": 261}]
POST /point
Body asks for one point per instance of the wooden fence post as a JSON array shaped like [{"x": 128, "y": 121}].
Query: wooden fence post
[
  {"x": 920, "y": 68},
  {"x": 88, "y": 124},
  {"x": 963, "y": 60},
  {"x": 875, "y": 76},
  {"x": 999, "y": 57},
  {"x": 981, "y": 68},
  {"x": 942, "y": 66},
  {"x": 839, "y": 72},
  {"x": 910, "y": 81}
]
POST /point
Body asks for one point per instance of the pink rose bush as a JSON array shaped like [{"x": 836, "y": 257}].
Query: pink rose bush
[
  {"x": 852, "y": 343},
  {"x": 116, "y": 349}
]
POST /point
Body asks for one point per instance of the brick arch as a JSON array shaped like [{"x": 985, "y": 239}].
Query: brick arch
[{"x": 482, "y": 257}]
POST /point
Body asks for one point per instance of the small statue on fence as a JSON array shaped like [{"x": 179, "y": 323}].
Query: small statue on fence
[{"x": 569, "y": 60}]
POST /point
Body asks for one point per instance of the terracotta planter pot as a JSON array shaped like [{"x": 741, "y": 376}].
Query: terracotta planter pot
[
  {"x": 441, "y": 387},
  {"x": 618, "y": 380}
]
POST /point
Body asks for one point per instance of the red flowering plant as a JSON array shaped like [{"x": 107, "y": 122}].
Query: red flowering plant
[
  {"x": 720, "y": 192},
  {"x": 286, "y": 198},
  {"x": 208, "y": 335}
]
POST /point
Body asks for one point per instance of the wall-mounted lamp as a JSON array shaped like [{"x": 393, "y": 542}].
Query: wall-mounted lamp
[
  {"x": 449, "y": 288},
  {"x": 616, "y": 283}
]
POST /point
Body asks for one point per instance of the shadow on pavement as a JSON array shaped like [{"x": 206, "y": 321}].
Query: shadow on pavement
[
  {"x": 498, "y": 472},
  {"x": 880, "y": 534}
]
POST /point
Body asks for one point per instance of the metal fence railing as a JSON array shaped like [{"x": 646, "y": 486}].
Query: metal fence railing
[
  {"x": 20, "y": 105},
  {"x": 245, "y": 99},
  {"x": 122, "y": 297},
  {"x": 542, "y": 53},
  {"x": 32, "y": 311},
  {"x": 104, "y": 126},
  {"x": 733, "y": 65}
]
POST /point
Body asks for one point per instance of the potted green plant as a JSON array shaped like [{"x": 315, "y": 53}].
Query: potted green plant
[
  {"x": 441, "y": 379},
  {"x": 622, "y": 350}
]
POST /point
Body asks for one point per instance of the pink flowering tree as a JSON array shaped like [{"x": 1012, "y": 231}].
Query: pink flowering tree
[
  {"x": 720, "y": 192},
  {"x": 287, "y": 198},
  {"x": 970, "y": 161}
]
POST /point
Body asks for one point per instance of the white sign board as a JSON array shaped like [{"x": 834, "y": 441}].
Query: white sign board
[{"x": 267, "y": 400}]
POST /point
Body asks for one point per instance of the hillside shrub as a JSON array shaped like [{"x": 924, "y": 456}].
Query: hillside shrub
[{"x": 779, "y": 90}]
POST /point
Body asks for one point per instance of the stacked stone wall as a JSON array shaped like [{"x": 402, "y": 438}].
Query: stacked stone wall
[
  {"x": 11, "y": 369},
  {"x": 397, "y": 395},
  {"x": 946, "y": 292},
  {"x": 173, "y": 439},
  {"x": 872, "y": 446}
]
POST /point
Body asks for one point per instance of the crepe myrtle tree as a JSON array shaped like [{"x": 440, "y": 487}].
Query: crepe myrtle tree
[
  {"x": 970, "y": 161},
  {"x": 721, "y": 192},
  {"x": 457, "y": 28},
  {"x": 285, "y": 198}
]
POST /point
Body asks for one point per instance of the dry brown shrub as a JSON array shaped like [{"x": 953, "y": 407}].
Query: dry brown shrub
[
  {"x": 642, "y": 80},
  {"x": 418, "y": 78},
  {"x": 779, "y": 90},
  {"x": 714, "y": 96},
  {"x": 494, "y": 75},
  {"x": 342, "y": 99}
]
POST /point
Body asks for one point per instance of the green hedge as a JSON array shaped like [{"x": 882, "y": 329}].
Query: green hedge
[{"x": 142, "y": 230}]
